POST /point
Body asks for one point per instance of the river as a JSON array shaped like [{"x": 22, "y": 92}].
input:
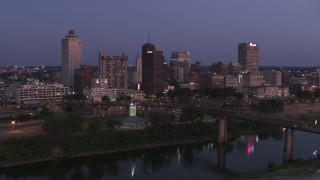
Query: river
[{"x": 203, "y": 160}]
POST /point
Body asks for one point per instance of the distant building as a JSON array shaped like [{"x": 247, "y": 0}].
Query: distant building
[
  {"x": 234, "y": 68},
  {"x": 138, "y": 70},
  {"x": 154, "y": 70},
  {"x": 130, "y": 74},
  {"x": 82, "y": 78},
  {"x": 253, "y": 79},
  {"x": 71, "y": 57},
  {"x": 285, "y": 76},
  {"x": 217, "y": 81},
  {"x": 232, "y": 81},
  {"x": 273, "y": 77},
  {"x": 114, "y": 69},
  {"x": 248, "y": 56},
  {"x": 266, "y": 91},
  {"x": 31, "y": 94},
  {"x": 57, "y": 76},
  {"x": 195, "y": 72},
  {"x": 208, "y": 80},
  {"x": 179, "y": 67},
  {"x": 219, "y": 69}
]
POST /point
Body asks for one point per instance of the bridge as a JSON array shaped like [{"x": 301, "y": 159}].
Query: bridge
[{"x": 224, "y": 114}]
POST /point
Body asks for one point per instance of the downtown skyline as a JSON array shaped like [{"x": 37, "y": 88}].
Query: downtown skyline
[{"x": 287, "y": 31}]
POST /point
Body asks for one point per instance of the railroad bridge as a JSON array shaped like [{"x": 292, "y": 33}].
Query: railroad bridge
[{"x": 224, "y": 114}]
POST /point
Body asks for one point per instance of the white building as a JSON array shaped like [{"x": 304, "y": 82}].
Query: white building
[
  {"x": 71, "y": 47},
  {"x": 138, "y": 70},
  {"x": 31, "y": 94}
]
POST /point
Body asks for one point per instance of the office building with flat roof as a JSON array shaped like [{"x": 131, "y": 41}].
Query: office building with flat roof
[{"x": 248, "y": 56}]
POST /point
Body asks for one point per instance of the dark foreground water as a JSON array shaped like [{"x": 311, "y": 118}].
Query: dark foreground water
[{"x": 192, "y": 161}]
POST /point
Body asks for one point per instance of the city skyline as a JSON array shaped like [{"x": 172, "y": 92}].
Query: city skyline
[{"x": 286, "y": 31}]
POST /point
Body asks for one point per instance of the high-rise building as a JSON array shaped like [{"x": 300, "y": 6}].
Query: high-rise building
[
  {"x": 71, "y": 47},
  {"x": 248, "y": 56},
  {"x": 154, "y": 72},
  {"x": 114, "y": 69},
  {"x": 138, "y": 70},
  {"x": 195, "y": 72},
  {"x": 130, "y": 74},
  {"x": 179, "y": 66},
  {"x": 82, "y": 78}
]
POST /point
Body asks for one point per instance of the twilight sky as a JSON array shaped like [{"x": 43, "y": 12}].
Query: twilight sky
[{"x": 288, "y": 31}]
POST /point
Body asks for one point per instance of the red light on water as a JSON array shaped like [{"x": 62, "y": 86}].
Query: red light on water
[{"x": 249, "y": 149}]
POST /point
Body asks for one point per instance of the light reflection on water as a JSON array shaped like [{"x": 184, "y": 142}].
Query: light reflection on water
[{"x": 191, "y": 161}]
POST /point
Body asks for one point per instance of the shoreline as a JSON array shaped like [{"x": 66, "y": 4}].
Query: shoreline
[
  {"x": 147, "y": 146},
  {"x": 106, "y": 152}
]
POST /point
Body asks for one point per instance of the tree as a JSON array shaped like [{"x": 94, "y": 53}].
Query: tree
[
  {"x": 95, "y": 124},
  {"x": 111, "y": 123},
  {"x": 44, "y": 111},
  {"x": 123, "y": 97},
  {"x": 190, "y": 114},
  {"x": 62, "y": 125},
  {"x": 160, "y": 119},
  {"x": 316, "y": 93},
  {"x": 105, "y": 98}
]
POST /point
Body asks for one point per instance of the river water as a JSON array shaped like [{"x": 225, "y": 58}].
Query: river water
[{"x": 190, "y": 161}]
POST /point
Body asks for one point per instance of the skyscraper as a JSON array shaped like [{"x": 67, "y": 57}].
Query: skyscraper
[
  {"x": 114, "y": 69},
  {"x": 138, "y": 70},
  {"x": 71, "y": 47},
  {"x": 248, "y": 56},
  {"x": 154, "y": 72},
  {"x": 179, "y": 66}
]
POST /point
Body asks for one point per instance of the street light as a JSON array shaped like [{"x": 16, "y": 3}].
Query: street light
[{"x": 13, "y": 122}]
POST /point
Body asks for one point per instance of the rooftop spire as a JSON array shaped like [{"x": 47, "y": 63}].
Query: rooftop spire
[{"x": 148, "y": 37}]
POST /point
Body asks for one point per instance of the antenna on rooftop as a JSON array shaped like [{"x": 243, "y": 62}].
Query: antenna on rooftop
[{"x": 148, "y": 37}]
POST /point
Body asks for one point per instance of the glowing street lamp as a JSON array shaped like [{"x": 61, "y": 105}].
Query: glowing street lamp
[{"x": 13, "y": 122}]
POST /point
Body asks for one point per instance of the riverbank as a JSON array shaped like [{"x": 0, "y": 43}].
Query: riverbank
[
  {"x": 295, "y": 169},
  {"x": 115, "y": 141}
]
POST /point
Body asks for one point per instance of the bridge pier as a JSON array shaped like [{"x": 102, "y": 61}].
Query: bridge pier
[
  {"x": 222, "y": 136},
  {"x": 146, "y": 111},
  {"x": 221, "y": 153},
  {"x": 288, "y": 145},
  {"x": 168, "y": 110}
]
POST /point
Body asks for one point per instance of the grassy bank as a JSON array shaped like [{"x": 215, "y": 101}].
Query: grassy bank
[
  {"x": 291, "y": 169},
  {"x": 42, "y": 147}
]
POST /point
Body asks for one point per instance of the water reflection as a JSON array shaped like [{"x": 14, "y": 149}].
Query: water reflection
[{"x": 207, "y": 160}]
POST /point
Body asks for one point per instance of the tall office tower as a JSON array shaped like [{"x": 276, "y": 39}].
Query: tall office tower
[
  {"x": 82, "y": 78},
  {"x": 114, "y": 69},
  {"x": 195, "y": 72},
  {"x": 138, "y": 70},
  {"x": 248, "y": 56},
  {"x": 71, "y": 57},
  {"x": 179, "y": 66},
  {"x": 154, "y": 73},
  {"x": 130, "y": 74}
]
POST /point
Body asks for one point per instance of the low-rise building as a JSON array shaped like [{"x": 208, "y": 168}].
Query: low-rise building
[{"x": 31, "y": 94}]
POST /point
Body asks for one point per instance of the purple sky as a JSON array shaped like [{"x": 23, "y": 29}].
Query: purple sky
[{"x": 288, "y": 31}]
